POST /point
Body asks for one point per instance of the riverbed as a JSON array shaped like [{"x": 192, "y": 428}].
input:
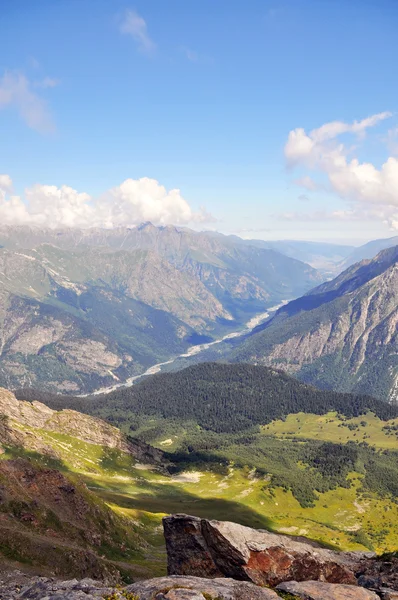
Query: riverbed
[{"x": 192, "y": 351}]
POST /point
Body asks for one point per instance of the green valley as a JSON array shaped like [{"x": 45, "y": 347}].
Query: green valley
[{"x": 300, "y": 461}]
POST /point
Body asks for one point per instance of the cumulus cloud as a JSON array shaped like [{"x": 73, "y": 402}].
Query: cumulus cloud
[
  {"x": 126, "y": 205},
  {"x": 133, "y": 24},
  {"x": 362, "y": 184},
  {"x": 16, "y": 91},
  {"x": 313, "y": 150}
]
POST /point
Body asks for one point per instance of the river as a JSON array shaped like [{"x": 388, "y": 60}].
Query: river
[{"x": 192, "y": 351}]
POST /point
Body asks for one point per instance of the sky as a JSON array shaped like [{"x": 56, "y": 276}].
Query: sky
[{"x": 269, "y": 119}]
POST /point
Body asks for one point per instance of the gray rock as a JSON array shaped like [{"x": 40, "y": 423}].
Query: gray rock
[
  {"x": 179, "y": 588},
  {"x": 42, "y": 588},
  {"x": 318, "y": 590}
]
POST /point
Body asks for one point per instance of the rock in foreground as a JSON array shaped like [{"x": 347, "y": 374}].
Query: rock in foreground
[
  {"x": 198, "y": 588},
  {"x": 213, "y": 549},
  {"x": 317, "y": 590},
  {"x": 161, "y": 588}
]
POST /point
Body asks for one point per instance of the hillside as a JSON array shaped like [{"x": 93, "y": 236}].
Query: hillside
[
  {"x": 219, "y": 397},
  {"x": 271, "y": 451},
  {"x": 82, "y": 310},
  {"x": 341, "y": 335},
  {"x": 50, "y": 517}
]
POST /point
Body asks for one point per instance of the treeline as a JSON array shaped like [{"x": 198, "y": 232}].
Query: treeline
[{"x": 219, "y": 397}]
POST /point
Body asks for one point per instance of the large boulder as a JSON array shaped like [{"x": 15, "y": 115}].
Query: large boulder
[
  {"x": 198, "y": 588},
  {"x": 318, "y": 590},
  {"x": 212, "y": 549}
]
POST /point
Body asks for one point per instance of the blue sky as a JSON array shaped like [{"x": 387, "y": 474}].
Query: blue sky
[{"x": 108, "y": 106}]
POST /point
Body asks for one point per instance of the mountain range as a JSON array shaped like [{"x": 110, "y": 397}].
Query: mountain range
[{"x": 80, "y": 309}]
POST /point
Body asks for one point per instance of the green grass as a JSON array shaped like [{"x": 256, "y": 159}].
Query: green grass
[
  {"x": 236, "y": 483},
  {"x": 335, "y": 428}
]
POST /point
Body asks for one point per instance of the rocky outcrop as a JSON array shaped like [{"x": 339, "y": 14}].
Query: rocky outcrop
[
  {"x": 17, "y": 587},
  {"x": 198, "y": 588},
  {"x": 222, "y": 549},
  {"x": 21, "y": 420},
  {"x": 317, "y": 590}
]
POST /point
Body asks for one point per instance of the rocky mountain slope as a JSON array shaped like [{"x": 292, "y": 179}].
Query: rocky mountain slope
[
  {"x": 81, "y": 310},
  {"x": 49, "y": 518},
  {"x": 341, "y": 335},
  {"x": 25, "y": 424}
]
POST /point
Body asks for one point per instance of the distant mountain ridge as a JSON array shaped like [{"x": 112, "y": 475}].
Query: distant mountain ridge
[
  {"x": 368, "y": 251},
  {"x": 83, "y": 309},
  {"x": 342, "y": 335}
]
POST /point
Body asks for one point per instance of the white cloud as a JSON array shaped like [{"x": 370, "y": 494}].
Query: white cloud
[
  {"x": 125, "y": 205},
  {"x": 311, "y": 149},
  {"x": 16, "y": 91},
  {"x": 360, "y": 183},
  {"x": 133, "y": 24}
]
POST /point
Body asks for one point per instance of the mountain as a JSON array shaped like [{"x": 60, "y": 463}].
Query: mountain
[
  {"x": 83, "y": 309},
  {"x": 342, "y": 335},
  {"x": 241, "y": 276},
  {"x": 369, "y": 250}
]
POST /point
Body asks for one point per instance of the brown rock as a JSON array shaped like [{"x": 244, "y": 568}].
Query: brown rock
[
  {"x": 221, "y": 549},
  {"x": 318, "y": 590},
  {"x": 195, "y": 588}
]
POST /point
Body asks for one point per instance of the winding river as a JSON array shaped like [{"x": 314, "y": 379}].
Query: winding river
[{"x": 192, "y": 351}]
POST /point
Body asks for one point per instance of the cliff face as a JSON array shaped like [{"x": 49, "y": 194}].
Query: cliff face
[{"x": 342, "y": 335}]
